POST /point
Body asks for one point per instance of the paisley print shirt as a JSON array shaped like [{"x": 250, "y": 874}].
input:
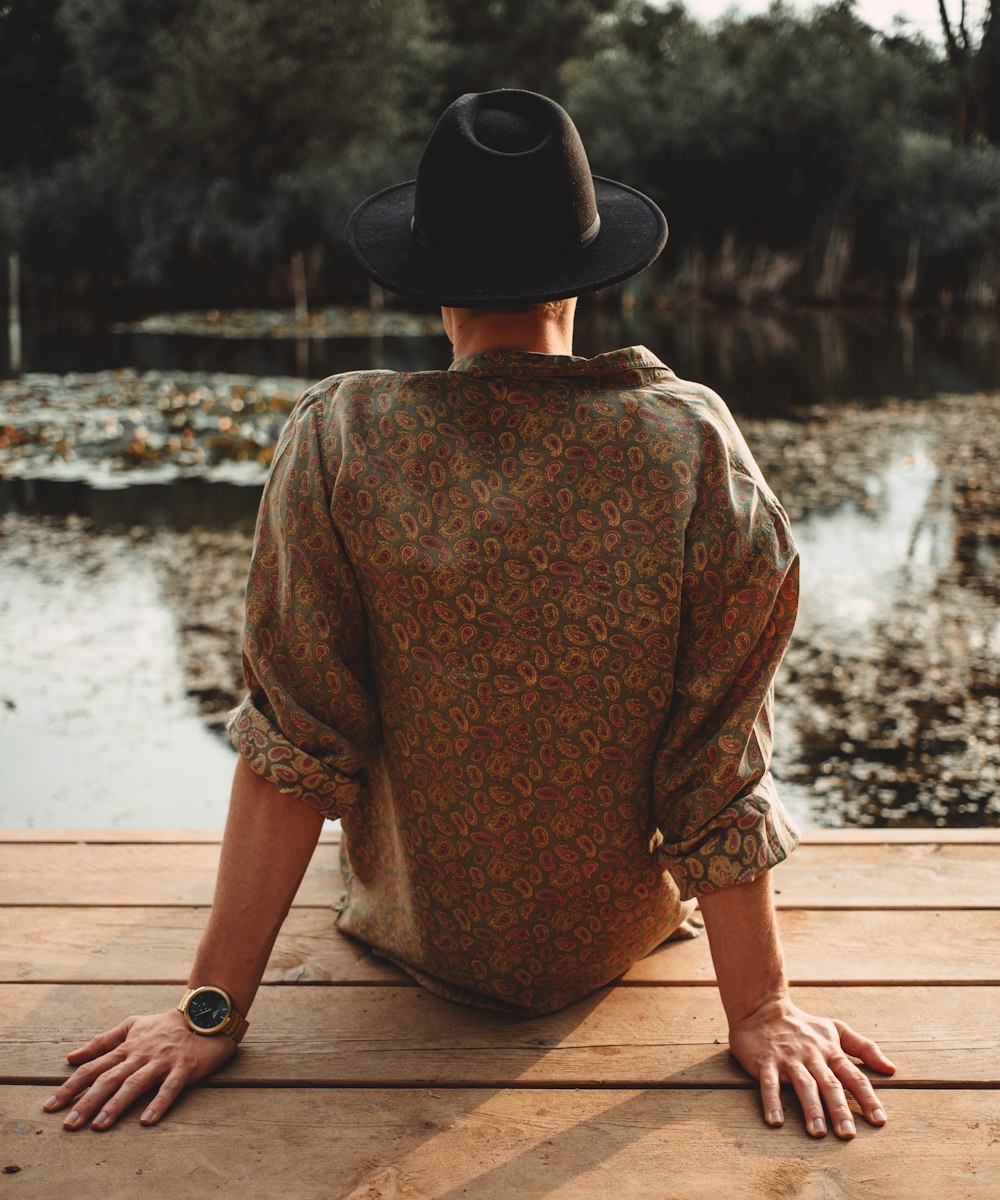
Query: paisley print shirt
[{"x": 516, "y": 623}]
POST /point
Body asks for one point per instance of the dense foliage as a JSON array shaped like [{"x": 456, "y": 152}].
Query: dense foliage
[{"x": 170, "y": 153}]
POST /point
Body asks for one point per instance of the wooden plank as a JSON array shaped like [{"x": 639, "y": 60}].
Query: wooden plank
[
  {"x": 825, "y": 876},
  {"x": 157, "y": 945},
  {"x": 896, "y": 876},
  {"x": 475, "y": 1144},
  {"x": 888, "y": 947},
  {"x": 889, "y": 837},
  {"x": 136, "y": 874},
  {"x": 154, "y": 836},
  {"x": 353, "y": 1036},
  {"x": 331, "y": 833}
]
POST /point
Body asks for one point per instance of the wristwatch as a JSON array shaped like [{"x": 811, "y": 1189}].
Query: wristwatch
[{"x": 210, "y": 1010}]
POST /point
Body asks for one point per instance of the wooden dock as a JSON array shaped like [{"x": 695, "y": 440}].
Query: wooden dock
[{"x": 354, "y": 1083}]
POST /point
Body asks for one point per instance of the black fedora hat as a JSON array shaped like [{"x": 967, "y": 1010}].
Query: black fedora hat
[{"x": 504, "y": 212}]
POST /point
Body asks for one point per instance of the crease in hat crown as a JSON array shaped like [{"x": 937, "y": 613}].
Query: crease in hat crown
[
  {"x": 504, "y": 209},
  {"x": 480, "y": 200}
]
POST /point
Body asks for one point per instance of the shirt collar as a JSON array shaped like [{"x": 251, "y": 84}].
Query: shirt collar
[{"x": 527, "y": 364}]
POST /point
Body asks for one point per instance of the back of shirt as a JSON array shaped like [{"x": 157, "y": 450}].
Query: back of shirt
[{"x": 517, "y": 624}]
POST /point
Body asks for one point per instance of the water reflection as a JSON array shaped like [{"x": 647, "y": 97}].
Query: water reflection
[
  {"x": 891, "y": 688},
  {"x": 762, "y": 362},
  {"x": 853, "y": 561},
  {"x": 95, "y": 722},
  {"x": 182, "y": 504},
  {"x": 773, "y": 363}
]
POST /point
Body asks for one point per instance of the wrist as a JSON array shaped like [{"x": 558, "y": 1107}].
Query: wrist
[
  {"x": 209, "y": 1010},
  {"x": 240, "y": 995},
  {"x": 746, "y": 1008}
]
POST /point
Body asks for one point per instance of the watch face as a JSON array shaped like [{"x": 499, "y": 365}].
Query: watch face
[{"x": 208, "y": 1009}]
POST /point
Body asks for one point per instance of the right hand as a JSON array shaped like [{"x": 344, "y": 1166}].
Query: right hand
[
  {"x": 122, "y": 1064},
  {"x": 780, "y": 1043}
]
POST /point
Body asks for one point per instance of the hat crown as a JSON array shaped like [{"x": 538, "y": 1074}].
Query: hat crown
[
  {"x": 504, "y": 132},
  {"x": 504, "y": 174}
]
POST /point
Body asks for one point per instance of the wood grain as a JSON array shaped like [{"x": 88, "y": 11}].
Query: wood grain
[
  {"x": 869, "y": 946},
  {"x": 157, "y": 945},
  {"x": 972, "y": 836},
  {"x": 136, "y": 874},
  {"x": 913, "y": 876},
  {"x": 483, "y": 1144},
  {"x": 403, "y": 1036},
  {"x": 331, "y": 833},
  {"x": 906, "y": 876}
]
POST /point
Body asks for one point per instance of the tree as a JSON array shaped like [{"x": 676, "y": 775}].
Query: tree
[
  {"x": 229, "y": 127},
  {"x": 761, "y": 127},
  {"x": 192, "y": 148},
  {"x": 43, "y": 106},
  {"x": 976, "y": 69},
  {"x": 510, "y": 43},
  {"x": 248, "y": 89}
]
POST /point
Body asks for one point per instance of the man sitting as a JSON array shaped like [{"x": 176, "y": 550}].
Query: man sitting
[{"x": 516, "y": 624}]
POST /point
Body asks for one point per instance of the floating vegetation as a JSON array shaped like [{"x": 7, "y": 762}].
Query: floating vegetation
[
  {"x": 115, "y": 427},
  {"x": 337, "y": 322}
]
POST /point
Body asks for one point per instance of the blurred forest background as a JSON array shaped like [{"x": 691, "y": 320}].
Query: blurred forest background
[{"x": 156, "y": 154}]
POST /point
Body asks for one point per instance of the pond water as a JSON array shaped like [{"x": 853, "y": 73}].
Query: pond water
[
  {"x": 97, "y": 728},
  {"x": 120, "y": 608},
  {"x": 762, "y": 363}
]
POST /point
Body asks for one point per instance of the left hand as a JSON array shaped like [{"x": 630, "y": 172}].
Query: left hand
[
  {"x": 118, "y": 1066},
  {"x": 780, "y": 1043}
]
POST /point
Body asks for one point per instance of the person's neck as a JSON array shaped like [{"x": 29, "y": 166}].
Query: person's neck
[{"x": 471, "y": 331}]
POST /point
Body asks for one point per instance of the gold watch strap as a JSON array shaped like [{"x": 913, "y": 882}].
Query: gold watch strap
[
  {"x": 237, "y": 1027},
  {"x": 236, "y": 1024}
]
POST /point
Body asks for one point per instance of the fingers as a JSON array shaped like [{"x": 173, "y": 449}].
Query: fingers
[
  {"x": 808, "y": 1093},
  {"x": 835, "y": 1101},
  {"x": 115, "y": 1091},
  {"x": 110, "y": 1096},
  {"x": 129, "y": 1091},
  {"x": 170, "y": 1089},
  {"x": 104, "y": 1080},
  {"x": 101, "y": 1043},
  {"x": 158, "y": 1050},
  {"x": 871, "y": 1055},
  {"x": 81, "y": 1078},
  {"x": 823, "y": 1089},
  {"x": 770, "y": 1095},
  {"x": 864, "y": 1048},
  {"x": 785, "y": 1045},
  {"x": 859, "y": 1085}
]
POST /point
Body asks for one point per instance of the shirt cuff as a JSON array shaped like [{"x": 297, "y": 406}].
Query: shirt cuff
[
  {"x": 745, "y": 839},
  {"x": 292, "y": 770}
]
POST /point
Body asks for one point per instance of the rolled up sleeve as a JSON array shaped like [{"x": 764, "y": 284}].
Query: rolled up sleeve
[
  {"x": 717, "y": 815},
  {"x": 309, "y": 721}
]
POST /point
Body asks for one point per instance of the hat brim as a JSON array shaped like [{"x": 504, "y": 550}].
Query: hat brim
[{"x": 633, "y": 233}]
